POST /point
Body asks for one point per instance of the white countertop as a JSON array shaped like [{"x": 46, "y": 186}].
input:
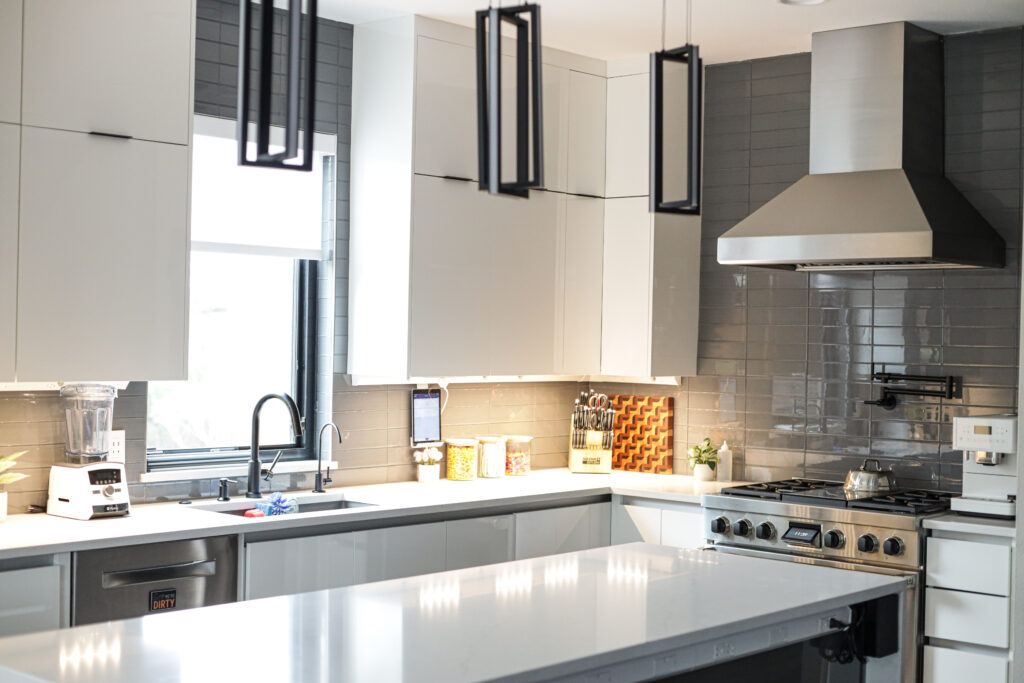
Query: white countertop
[
  {"x": 653, "y": 607},
  {"x": 967, "y": 524},
  {"x": 39, "y": 534}
]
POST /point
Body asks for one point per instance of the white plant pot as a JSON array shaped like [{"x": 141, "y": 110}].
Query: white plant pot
[
  {"x": 3, "y": 505},
  {"x": 703, "y": 473},
  {"x": 428, "y": 473}
]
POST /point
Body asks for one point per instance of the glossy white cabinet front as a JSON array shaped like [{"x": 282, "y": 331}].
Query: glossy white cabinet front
[
  {"x": 446, "y": 130},
  {"x": 562, "y": 530},
  {"x": 676, "y": 525},
  {"x": 109, "y": 66},
  {"x": 628, "y": 159},
  {"x": 479, "y": 541},
  {"x": 30, "y": 600},
  {"x": 10, "y": 61},
  {"x": 102, "y": 281},
  {"x": 10, "y": 137},
  {"x": 298, "y": 565},
  {"x": 626, "y": 305}
]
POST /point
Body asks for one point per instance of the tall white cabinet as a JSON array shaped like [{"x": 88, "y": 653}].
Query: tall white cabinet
[
  {"x": 10, "y": 61},
  {"x": 446, "y": 280},
  {"x": 10, "y": 142},
  {"x": 94, "y": 280}
]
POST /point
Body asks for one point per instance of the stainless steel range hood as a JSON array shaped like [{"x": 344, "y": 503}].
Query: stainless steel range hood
[{"x": 876, "y": 196}]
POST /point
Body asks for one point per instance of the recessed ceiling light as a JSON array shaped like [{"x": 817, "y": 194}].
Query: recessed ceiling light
[{"x": 802, "y": 2}]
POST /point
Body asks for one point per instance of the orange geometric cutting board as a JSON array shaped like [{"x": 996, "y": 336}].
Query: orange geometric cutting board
[{"x": 643, "y": 433}]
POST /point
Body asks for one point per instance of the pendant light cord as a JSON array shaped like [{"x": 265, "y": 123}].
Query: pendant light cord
[
  {"x": 663, "y": 4},
  {"x": 689, "y": 22}
]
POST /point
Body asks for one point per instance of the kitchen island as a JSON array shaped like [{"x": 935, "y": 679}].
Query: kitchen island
[{"x": 630, "y": 612}]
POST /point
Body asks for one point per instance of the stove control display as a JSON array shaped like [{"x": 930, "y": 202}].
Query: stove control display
[
  {"x": 893, "y": 546},
  {"x": 741, "y": 528},
  {"x": 719, "y": 525},
  {"x": 867, "y": 544},
  {"x": 833, "y": 539},
  {"x": 803, "y": 534},
  {"x": 765, "y": 531}
]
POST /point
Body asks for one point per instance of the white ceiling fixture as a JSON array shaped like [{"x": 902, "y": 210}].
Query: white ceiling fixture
[
  {"x": 730, "y": 30},
  {"x": 802, "y": 3}
]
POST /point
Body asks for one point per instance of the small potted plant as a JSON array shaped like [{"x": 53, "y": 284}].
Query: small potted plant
[
  {"x": 428, "y": 464},
  {"x": 6, "y": 463},
  {"x": 703, "y": 460}
]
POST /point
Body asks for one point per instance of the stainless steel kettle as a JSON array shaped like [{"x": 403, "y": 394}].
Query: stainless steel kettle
[{"x": 865, "y": 479}]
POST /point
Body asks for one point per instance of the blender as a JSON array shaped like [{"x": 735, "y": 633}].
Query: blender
[{"x": 86, "y": 486}]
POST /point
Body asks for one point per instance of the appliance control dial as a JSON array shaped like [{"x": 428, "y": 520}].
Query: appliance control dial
[
  {"x": 108, "y": 491},
  {"x": 893, "y": 546},
  {"x": 833, "y": 539},
  {"x": 867, "y": 544},
  {"x": 765, "y": 531},
  {"x": 719, "y": 525},
  {"x": 741, "y": 528}
]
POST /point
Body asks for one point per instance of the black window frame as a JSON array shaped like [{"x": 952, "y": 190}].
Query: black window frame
[{"x": 303, "y": 391}]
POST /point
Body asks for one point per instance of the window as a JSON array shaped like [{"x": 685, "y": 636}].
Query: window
[{"x": 257, "y": 237}]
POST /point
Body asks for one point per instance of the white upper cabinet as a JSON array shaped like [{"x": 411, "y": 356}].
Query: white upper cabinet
[
  {"x": 583, "y": 255},
  {"x": 586, "y": 134},
  {"x": 628, "y": 158},
  {"x": 9, "y": 146},
  {"x": 10, "y": 61},
  {"x": 120, "y": 67},
  {"x": 446, "y": 130},
  {"x": 651, "y": 275},
  {"x": 102, "y": 281},
  {"x": 555, "y": 81}
]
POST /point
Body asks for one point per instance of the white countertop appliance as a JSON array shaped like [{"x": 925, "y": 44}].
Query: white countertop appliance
[
  {"x": 989, "y": 445},
  {"x": 86, "y": 485},
  {"x": 820, "y": 522}
]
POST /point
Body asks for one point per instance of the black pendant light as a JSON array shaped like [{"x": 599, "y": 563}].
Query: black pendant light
[
  {"x": 294, "y": 77},
  {"x": 676, "y": 105},
  {"x": 529, "y": 168}
]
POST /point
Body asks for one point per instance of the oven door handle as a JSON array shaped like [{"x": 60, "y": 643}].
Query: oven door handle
[
  {"x": 910, "y": 574},
  {"x": 170, "y": 572}
]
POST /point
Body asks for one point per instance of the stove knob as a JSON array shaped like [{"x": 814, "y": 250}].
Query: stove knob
[
  {"x": 741, "y": 528},
  {"x": 867, "y": 544},
  {"x": 719, "y": 525},
  {"x": 893, "y": 546},
  {"x": 765, "y": 531},
  {"x": 833, "y": 539}
]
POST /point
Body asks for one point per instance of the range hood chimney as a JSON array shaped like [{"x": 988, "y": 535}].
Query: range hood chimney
[{"x": 876, "y": 196}]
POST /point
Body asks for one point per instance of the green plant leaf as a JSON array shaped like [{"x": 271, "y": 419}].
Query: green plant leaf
[
  {"x": 12, "y": 457},
  {"x": 12, "y": 478}
]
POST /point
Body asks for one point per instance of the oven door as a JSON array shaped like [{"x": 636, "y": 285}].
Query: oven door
[{"x": 902, "y": 666}]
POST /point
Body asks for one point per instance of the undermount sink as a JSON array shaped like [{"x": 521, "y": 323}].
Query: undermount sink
[{"x": 240, "y": 506}]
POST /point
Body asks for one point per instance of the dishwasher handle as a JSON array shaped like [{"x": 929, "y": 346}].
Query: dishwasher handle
[{"x": 170, "y": 572}]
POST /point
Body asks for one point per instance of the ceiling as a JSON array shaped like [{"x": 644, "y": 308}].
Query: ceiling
[{"x": 726, "y": 30}]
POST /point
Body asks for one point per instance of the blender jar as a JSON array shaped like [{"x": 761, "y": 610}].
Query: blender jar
[{"x": 89, "y": 414}]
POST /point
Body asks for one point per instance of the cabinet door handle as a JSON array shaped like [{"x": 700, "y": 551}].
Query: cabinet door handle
[
  {"x": 117, "y": 136},
  {"x": 455, "y": 177}
]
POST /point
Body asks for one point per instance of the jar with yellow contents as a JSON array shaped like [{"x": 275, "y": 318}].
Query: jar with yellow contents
[{"x": 462, "y": 459}]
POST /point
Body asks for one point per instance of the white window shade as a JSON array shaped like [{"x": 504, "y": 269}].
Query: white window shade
[{"x": 245, "y": 209}]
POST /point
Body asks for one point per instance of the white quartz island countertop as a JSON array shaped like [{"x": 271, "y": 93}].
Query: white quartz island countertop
[
  {"x": 38, "y": 534},
  {"x": 621, "y": 613}
]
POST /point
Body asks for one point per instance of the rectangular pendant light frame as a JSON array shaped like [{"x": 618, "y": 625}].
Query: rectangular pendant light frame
[
  {"x": 293, "y": 92},
  {"x": 528, "y": 99},
  {"x": 689, "y": 55}
]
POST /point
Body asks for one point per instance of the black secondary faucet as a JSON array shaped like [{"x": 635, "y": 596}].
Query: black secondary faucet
[{"x": 253, "y": 488}]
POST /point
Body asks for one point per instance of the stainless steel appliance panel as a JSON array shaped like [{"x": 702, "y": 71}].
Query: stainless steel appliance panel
[{"x": 132, "y": 581}]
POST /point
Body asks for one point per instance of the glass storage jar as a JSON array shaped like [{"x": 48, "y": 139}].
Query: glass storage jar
[
  {"x": 517, "y": 455},
  {"x": 462, "y": 459},
  {"x": 492, "y": 456}
]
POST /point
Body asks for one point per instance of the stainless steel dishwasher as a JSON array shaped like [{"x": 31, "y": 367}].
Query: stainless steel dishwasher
[{"x": 132, "y": 581}]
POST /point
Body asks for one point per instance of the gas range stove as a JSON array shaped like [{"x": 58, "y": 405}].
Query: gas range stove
[{"x": 818, "y": 519}]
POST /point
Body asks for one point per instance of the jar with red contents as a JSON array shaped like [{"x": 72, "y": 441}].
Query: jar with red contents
[{"x": 517, "y": 455}]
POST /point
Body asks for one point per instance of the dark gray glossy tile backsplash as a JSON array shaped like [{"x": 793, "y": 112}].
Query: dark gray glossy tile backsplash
[{"x": 785, "y": 358}]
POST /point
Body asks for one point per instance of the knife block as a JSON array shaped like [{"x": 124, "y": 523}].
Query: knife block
[{"x": 593, "y": 459}]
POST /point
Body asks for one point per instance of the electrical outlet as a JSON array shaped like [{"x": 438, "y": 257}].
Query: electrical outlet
[{"x": 116, "y": 452}]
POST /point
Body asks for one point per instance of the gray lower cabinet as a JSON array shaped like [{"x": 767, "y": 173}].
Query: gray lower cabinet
[
  {"x": 31, "y": 600},
  {"x": 479, "y": 541},
  {"x": 562, "y": 530},
  {"x": 299, "y": 565},
  {"x": 680, "y": 525}
]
